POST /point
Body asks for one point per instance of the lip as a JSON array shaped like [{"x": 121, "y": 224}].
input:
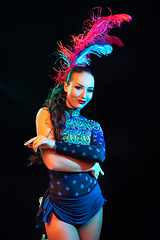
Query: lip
[{"x": 81, "y": 101}]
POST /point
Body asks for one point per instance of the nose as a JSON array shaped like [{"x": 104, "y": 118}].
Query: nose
[{"x": 83, "y": 95}]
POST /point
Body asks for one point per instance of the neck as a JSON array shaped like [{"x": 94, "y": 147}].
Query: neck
[
  {"x": 69, "y": 105},
  {"x": 73, "y": 109}
]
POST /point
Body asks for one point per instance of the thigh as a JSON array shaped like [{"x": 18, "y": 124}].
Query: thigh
[
  {"x": 92, "y": 229},
  {"x": 58, "y": 230}
]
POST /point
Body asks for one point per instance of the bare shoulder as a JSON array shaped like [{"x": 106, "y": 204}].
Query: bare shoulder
[
  {"x": 42, "y": 113},
  {"x": 43, "y": 123}
]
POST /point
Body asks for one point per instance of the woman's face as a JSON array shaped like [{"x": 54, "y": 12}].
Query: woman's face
[{"x": 79, "y": 90}]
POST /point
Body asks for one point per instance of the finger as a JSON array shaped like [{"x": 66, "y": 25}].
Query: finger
[
  {"x": 102, "y": 172},
  {"x": 40, "y": 140},
  {"x": 39, "y": 143},
  {"x": 30, "y": 146},
  {"x": 35, "y": 147},
  {"x": 93, "y": 173},
  {"x": 30, "y": 141},
  {"x": 33, "y": 139},
  {"x": 96, "y": 175},
  {"x": 36, "y": 142}
]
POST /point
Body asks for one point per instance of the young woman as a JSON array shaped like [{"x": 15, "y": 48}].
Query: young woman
[
  {"x": 72, "y": 148},
  {"x": 71, "y": 145}
]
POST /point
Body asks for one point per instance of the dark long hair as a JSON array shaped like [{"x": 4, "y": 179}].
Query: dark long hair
[{"x": 56, "y": 106}]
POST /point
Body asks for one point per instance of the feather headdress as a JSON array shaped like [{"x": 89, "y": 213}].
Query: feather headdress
[{"x": 94, "y": 40}]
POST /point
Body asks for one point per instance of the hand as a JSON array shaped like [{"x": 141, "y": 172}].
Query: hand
[
  {"x": 40, "y": 141},
  {"x": 96, "y": 170}
]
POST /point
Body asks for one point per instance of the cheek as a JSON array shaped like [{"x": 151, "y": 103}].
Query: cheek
[
  {"x": 73, "y": 93},
  {"x": 89, "y": 97}
]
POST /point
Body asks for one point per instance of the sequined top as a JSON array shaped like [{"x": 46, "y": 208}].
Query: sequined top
[{"x": 82, "y": 139}]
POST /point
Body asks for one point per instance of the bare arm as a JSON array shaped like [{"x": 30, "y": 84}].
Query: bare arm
[
  {"x": 57, "y": 162},
  {"x": 53, "y": 160}
]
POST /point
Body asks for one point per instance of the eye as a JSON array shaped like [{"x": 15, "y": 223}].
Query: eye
[
  {"x": 91, "y": 90},
  {"x": 78, "y": 87}
]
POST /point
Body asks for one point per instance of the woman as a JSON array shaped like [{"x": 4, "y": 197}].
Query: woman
[
  {"x": 72, "y": 207},
  {"x": 72, "y": 146}
]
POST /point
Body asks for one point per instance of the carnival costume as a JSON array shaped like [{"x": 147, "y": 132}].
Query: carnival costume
[{"x": 76, "y": 197}]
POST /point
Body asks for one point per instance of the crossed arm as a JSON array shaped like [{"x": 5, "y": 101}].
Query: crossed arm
[{"x": 52, "y": 159}]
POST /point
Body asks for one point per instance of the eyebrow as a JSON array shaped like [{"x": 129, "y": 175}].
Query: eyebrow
[{"x": 82, "y": 85}]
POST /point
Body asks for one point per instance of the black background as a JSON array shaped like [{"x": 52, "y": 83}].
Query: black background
[{"x": 125, "y": 103}]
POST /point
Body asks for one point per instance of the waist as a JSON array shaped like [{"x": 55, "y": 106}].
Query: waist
[
  {"x": 94, "y": 194},
  {"x": 71, "y": 185}
]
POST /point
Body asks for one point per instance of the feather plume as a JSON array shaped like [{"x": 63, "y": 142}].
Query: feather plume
[
  {"x": 94, "y": 40},
  {"x": 97, "y": 49}
]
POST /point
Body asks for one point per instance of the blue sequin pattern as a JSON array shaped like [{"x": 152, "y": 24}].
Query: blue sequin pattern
[
  {"x": 82, "y": 139},
  {"x": 77, "y": 129}
]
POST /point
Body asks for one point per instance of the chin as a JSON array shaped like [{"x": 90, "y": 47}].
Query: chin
[
  {"x": 77, "y": 106},
  {"x": 80, "y": 106}
]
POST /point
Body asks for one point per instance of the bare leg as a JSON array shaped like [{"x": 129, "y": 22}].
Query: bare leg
[
  {"x": 58, "y": 230},
  {"x": 92, "y": 229}
]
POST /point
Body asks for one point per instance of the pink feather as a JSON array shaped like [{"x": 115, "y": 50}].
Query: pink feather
[{"x": 95, "y": 32}]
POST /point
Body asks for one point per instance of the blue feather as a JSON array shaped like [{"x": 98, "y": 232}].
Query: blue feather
[{"x": 97, "y": 49}]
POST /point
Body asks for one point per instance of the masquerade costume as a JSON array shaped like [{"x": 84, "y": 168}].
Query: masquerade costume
[
  {"x": 76, "y": 197},
  {"x": 72, "y": 195}
]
